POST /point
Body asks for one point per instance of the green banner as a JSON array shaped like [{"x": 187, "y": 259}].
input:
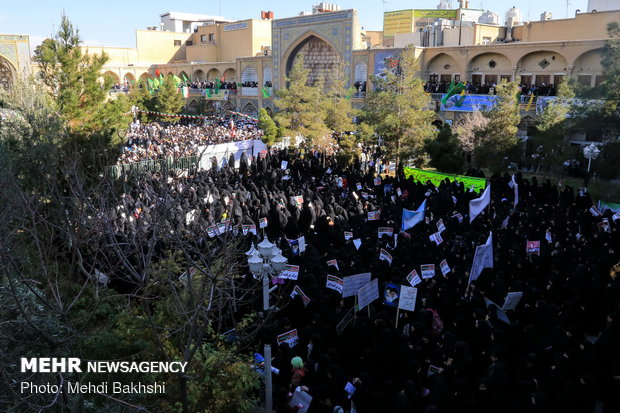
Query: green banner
[
  {"x": 602, "y": 206},
  {"x": 436, "y": 178}
]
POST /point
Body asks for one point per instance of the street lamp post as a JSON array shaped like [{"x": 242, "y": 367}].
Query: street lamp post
[
  {"x": 591, "y": 152},
  {"x": 266, "y": 259}
]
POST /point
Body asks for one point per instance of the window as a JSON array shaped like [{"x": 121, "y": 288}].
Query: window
[
  {"x": 203, "y": 38},
  {"x": 486, "y": 40},
  {"x": 599, "y": 79},
  {"x": 189, "y": 43},
  {"x": 211, "y": 37},
  {"x": 585, "y": 79},
  {"x": 177, "y": 43}
]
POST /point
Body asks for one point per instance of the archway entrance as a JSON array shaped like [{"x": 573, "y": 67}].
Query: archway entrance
[
  {"x": 320, "y": 58},
  {"x": 6, "y": 74}
]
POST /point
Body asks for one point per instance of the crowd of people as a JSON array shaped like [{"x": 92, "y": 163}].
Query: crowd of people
[
  {"x": 482, "y": 88},
  {"x": 556, "y": 351},
  {"x": 162, "y": 140}
]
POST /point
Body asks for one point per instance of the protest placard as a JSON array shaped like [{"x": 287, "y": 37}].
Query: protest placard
[
  {"x": 391, "y": 293},
  {"x": 345, "y": 321},
  {"x": 221, "y": 228},
  {"x": 373, "y": 215},
  {"x": 300, "y": 400},
  {"x": 427, "y": 270},
  {"x": 297, "y": 200},
  {"x": 301, "y": 241},
  {"x": 407, "y": 299},
  {"x": 358, "y": 243},
  {"x": 385, "y": 256},
  {"x": 335, "y": 283},
  {"x": 245, "y": 228},
  {"x": 290, "y": 272},
  {"x": 284, "y": 165},
  {"x": 385, "y": 231},
  {"x": 212, "y": 231},
  {"x": 294, "y": 246},
  {"x": 532, "y": 248},
  {"x": 440, "y": 226},
  {"x": 359, "y": 186},
  {"x": 436, "y": 238},
  {"x": 443, "y": 265},
  {"x": 289, "y": 337},
  {"x": 304, "y": 297},
  {"x": 333, "y": 263},
  {"x": 595, "y": 211},
  {"x": 262, "y": 223},
  {"x": 353, "y": 283},
  {"x": 603, "y": 226},
  {"x": 348, "y": 235},
  {"x": 367, "y": 294},
  {"x": 413, "y": 278},
  {"x": 377, "y": 181},
  {"x": 512, "y": 301}
]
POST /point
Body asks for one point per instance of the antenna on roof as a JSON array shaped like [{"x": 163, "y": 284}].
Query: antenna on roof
[
  {"x": 568, "y": 3},
  {"x": 384, "y": 4}
]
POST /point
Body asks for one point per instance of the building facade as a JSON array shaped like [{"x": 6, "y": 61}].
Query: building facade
[
  {"x": 14, "y": 58},
  {"x": 257, "y": 54}
]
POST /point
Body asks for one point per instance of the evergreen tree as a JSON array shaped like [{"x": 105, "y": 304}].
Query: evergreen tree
[
  {"x": 556, "y": 111},
  {"x": 140, "y": 96},
  {"x": 339, "y": 112},
  {"x": 549, "y": 143},
  {"x": 445, "y": 151},
  {"x": 398, "y": 111},
  {"x": 270, "y": 130},
  {"x": 74, "y": 80},
  {"x": 611, "y": 66},
  {"x": 301, "y": 105},
  {"x": 168, "y": 99},
  {"x": 498, "y": 139}
]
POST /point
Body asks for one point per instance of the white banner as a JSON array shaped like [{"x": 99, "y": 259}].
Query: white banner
[
  {"x": 353, "y": 283},
  {"x": 222, "y": 152},
  {"x": 367, "y": 294}
]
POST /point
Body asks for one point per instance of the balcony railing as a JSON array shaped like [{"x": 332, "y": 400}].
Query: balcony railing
[{"x": 249, "y": 91}]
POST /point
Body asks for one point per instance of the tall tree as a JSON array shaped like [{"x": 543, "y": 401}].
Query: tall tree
[
  {"x": 301, "y": 105},
  {"x": 611, "y": 65},
  {"x": 551, "y": 149},
  {"x": 74, "y": 79},
  {"x": 499, "y": 139},
  {"x": 398, "y": 110},
  {"x": 168, "y": 98},
  {"x": 339, "y": 112},
  {"x": 468, "y": 126},
  {"x": 445, "y": 151},
  {"x": 268, "y": 126}
]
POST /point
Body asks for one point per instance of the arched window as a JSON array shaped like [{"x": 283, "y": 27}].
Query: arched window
[{"x": 6, "y": 74}]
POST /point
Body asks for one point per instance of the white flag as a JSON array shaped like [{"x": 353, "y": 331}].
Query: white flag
[
  {"x": 513, "y": 185},
  {"x": 413, "y": 218},
  {"x": 483, "y": 258},
  {"x": 476, "y": 206}
]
